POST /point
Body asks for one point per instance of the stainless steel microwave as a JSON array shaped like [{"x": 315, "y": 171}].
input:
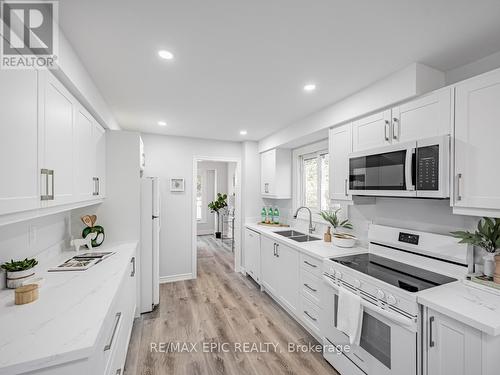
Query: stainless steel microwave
[{"x": 418, "y": 169}]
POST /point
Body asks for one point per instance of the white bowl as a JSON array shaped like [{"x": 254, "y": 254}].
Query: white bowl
[{"x": 348, "y": 241}]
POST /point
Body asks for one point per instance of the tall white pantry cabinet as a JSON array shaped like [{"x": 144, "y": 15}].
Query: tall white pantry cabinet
[{"x": 52, "y": 151}]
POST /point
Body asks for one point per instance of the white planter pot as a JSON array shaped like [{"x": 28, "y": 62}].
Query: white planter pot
[
  {"x": 16, "y": 279},
  {"x": 489, "y": 264}
]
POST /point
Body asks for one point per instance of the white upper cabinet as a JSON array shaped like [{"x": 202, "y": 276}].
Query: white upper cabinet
[
  {"x": 56, "y": 141},
  {"x": 276, "y": 174},
  {"x": 425, "y": 117},
  {"x": 99, "y": 138},
  {"x": 86, "y": 157},
  {"x": 18, "y": 144},
  {"x": 477, "y": 132},
  {"x": 340, "y": 146},
  {"x": 372, "y": 131}
]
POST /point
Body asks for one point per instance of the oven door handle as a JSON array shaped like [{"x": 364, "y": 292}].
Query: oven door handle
[
  {"x": 394, "y": 317},
  {"x": 409, "y": 169}
]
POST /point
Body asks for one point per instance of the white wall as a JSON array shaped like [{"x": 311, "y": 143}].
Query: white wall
[
  {"x": 221, "y": 173},
  {"x": 474, "y": 68},
  {"x": 168, "y": 157},
  {"x": 46, "y": 232},
  {"x": 250, "y": 185}
]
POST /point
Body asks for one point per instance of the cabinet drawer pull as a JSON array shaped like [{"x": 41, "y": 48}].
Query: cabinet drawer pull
[
  {"x": 310, "y": 264},
  {"x": 274, "y": 252},
  {"x": 310, "y": 316},
  {"x": 278, "y": 250},
  {"x": 395, "y": 128},
  {"x": 132, "y": 274},
  {"x": 48, "y": 196},
  {"x": 118, "y": 318},
  {"x": 266, "y": 188},
  {"x": 310, "y": 288},
  {"x": 345, "y": 187},
  {"x": 96, "y": 189},
  {"x": 431, "y": 339},
  {"x": 119, "y": 372},
  {"x": 386, "y": 127},
  {"x": 459, "y": 180}
]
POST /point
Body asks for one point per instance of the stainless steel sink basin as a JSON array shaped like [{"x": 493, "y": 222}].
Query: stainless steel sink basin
[
  {"x": 304, "y": 238},
  {"x": 290, "y": 233}
]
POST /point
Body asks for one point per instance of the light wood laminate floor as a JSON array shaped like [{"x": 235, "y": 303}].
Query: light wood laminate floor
[{"x": 220, "y": 306}]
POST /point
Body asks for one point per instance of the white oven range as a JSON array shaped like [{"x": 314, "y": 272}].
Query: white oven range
[{"x": 399, "y": 263}]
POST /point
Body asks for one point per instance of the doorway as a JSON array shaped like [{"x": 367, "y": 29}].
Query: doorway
[{"x": 216, "y": 235}]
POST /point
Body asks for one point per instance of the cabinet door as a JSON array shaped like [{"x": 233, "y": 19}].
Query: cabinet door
[
  {"x": 269, "y": 266},
  {"x": 453, "y": 348},
  {"x": 18, "y": 144},
  {"x": 288, "y": 268},
  {"x": 268, "y": 172},
  {"x": 340, "y": 145},
  {"x": 99, "y": 136},
  {"x": 477, "y": 131},
  {"x": 252, "y": 254},
  {"x": 425, "y": 117},
  {"x": 85, "y": 155},
  {"x": 57, "y": 138},
  {"x": 372, "y": 131}
]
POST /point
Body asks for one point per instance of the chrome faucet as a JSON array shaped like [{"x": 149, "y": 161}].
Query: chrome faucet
[{"x": 312, "y": 228}]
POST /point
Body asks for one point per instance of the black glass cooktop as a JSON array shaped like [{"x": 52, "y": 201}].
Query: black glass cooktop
[{"x": 401, "y": 275}]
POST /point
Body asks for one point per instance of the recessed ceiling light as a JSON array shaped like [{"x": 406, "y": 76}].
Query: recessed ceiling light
[
  {"x": 164, "y": 54},
  {"x": 310, "y": 87},
  {"x": 162, "y": 123},
  {"x": 243, "y": 132}
]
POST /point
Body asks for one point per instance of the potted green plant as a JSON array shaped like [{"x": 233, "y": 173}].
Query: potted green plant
[
  {"x": 338, "y": 239},
  {"x": 19, "y": 271},
  {"x": 215, "y": 207},
  {"x": 487, "y": 237}
]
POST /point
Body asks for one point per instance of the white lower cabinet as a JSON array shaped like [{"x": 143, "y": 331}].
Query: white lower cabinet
[
  {"x": 252, "y": 254},
  {"x": 453, "y": 348},
  {"x": 280, "y": 272}
]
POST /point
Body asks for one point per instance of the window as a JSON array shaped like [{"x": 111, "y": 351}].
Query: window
[
  {"x": 314, "y": 171},
  {"x": 199, "y": 198}
]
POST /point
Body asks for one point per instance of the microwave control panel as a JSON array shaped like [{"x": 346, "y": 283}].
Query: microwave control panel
[{"x": 428, "y": 168}]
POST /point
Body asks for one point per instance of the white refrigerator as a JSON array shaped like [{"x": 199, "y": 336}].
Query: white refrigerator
[{"x": 150, "y": 244}]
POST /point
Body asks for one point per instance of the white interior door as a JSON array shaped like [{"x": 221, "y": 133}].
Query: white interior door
[{"x": 18, "y": 143}]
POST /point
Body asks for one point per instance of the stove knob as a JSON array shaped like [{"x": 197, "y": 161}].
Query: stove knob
[
  {"x": 357, "y": 284},
  {"x": 391, "y": 300},
  {"x": 338, "y": 275},
  {"x": 380, "y": 294}
]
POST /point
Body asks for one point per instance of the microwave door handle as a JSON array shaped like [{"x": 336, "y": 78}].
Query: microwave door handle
[{"x": 409, "y": 169}]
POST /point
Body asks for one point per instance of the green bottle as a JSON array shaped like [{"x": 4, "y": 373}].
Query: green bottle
[
  {"x": 276, "y": 216},
  {"x": 270, "y": 214},
  {"x": 263, "y": 215}
]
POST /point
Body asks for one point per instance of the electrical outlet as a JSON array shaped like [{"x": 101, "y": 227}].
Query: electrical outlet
[{"x": 32, "y": 235}]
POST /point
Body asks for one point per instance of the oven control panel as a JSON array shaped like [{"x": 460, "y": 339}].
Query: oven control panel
[{"x": 409, "y": 238}]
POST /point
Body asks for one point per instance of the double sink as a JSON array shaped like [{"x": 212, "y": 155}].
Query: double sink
[{"x": 297, "y": 236}]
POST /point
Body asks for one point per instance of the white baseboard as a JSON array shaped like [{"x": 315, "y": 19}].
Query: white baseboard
[{"x": 173, "y": 278}]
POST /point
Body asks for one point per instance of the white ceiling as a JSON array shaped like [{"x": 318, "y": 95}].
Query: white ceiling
[{"x": 241, "y": 64}]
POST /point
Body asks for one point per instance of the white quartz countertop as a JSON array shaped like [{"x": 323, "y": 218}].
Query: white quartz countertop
[
  {"x": 64, "y": 323},
  {"x": 318, "y": 249},
  {"x": 470, "y": 304}
]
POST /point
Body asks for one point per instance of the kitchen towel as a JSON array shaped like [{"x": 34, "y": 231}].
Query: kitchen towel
[{"x": 350, "y": 315}]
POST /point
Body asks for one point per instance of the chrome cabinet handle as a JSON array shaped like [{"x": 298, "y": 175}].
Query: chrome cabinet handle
[
  {"x": 98, "y": 186},
  {"x": 278, "y": 250},
  {"x": 345, "y": 187},
  {"x": 310, "y": 288},
  {"x": 459, "y": 180},
  {"x": 310, "y": 316},
  {"x": 310, "y": 264},
  {"x": 266, "y": 188},
  {"x": 386, "y": 127},
  {"x": 431, "y": 340},
  {"x": 132, "y": 274},
  {"x": 119, "y": 372},
  {"x": 395, "y": 133},
  {"x": 94, "y": 179},
  {"x": 274, "y": 249},
  {"x": 118, "y": 317},
  {"x": 45, "y": 173}
]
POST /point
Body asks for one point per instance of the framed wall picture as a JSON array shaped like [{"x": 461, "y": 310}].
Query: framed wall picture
[{"x": 176, "y": 184}]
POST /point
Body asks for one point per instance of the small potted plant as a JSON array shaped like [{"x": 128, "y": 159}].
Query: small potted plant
[
  {"x": 487, "y": 237},
  {"x": 19, "y": 271},
  {"x": 338, "y": 238},
  {"x": 215, "y": 207}
]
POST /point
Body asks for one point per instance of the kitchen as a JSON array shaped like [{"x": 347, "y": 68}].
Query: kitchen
[{"x": 353, "y": 226}]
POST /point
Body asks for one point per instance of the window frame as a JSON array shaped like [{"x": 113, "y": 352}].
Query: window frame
[{"x": 315, "y": 150}]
